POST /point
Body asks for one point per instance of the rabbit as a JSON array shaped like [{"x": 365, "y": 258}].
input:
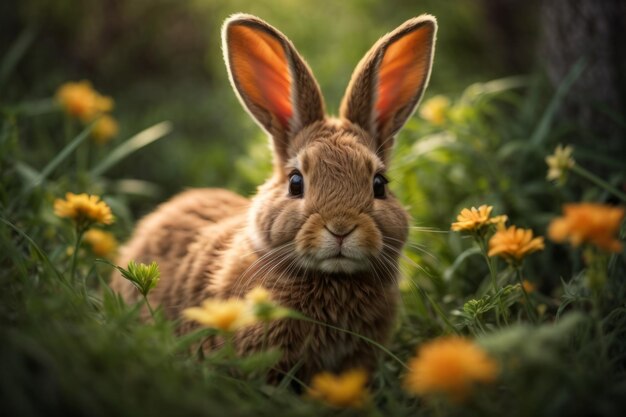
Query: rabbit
[{"x": 324, "y": 233}]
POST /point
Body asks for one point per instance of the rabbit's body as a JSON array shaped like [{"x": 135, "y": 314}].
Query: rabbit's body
[
  {"x": 323, "y": 234},
  {"x": 170, "y": 236},
  {"x": 204, "y": 245}
]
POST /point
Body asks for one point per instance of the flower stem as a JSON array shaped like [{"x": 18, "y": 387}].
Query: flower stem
[
  {"x": 596, "y": 314},
  {"x": 440, "y": 312},
  {"x": 598, "y": 181},
  {"x": 596, "y": 281},
  {"x": 530, "y": 308},
  {"x": 145, "y": 299},
  {"x": 82, "y": 157},
  {"x": 266, "y": 328},
  {"x": 492, "y": 273},
  {"x": 229, "y": 344},
  {"x": 482, "y": 244},
  {"x": 80, "y": 231}
]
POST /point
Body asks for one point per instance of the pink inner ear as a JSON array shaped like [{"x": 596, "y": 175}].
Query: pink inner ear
[
  {"x": 260, "y": 68},
  {"x": 402, "y": 72}
]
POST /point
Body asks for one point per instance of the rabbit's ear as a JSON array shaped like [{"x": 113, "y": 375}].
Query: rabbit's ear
[
  {"x": 390, "y": 80},
  {"x": 272, "y": 81}
]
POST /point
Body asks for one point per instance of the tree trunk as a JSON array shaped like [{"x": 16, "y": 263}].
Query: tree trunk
[{"x": 593, "y": 30}]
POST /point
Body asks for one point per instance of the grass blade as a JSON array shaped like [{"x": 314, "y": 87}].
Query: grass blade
[
  {"x": 15, "y": 54},
  {"x": 543, "y": 128},
  {"x": 28, "y": 173},
  {"x": 37, "y": 107},
  {"x": 61, "y": 156},
  {"x": 448, "y": 273},
  {"x": 37, "y": 249},
  {"x": 141, "y": 139}
]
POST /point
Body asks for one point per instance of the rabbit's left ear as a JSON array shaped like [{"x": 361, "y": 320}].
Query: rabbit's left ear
[{"x": 390, "y": 80}]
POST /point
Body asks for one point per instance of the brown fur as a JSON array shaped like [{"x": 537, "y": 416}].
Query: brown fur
[{"x": 213, "y": 243}]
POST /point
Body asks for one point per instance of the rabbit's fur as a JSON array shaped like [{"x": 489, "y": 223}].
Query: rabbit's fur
[{"x": 330, "y": 253}]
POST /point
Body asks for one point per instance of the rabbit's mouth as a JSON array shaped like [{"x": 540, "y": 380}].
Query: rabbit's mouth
[
  {"x": 342, "y": 244},
  {"x": 340, "y": 263}
]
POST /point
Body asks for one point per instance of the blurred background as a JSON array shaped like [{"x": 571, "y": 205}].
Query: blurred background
[
  {"x": 519, "y": 77},
  {"x": 162, "y": 60}
]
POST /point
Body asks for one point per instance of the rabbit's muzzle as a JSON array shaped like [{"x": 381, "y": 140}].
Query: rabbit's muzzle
[{"x": 344, "y": 244}]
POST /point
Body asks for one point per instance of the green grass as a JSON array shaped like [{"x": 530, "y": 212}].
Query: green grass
[
  {"x": 69, "y": 345},
  {"x": 73, "y": 346}
]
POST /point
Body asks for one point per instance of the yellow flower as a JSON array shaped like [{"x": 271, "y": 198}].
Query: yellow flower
[
  {"x": 450, "y": 366},
  {"x": 104, "y": 130},
  {"x": 435, "y": 109},
  {"x": 226, "y": 315},
  {"x": 264, "y": 308},
  {"x": 513, "y": 243},
  {"x": 476, "y": 218},
  {"x": 102, "y": 243},
  {"x": 83, "y": 209},
  {"x": 592, "y": 223},
  {"x": 258, "y": 295},
  {"x": 344, "y": 390},
  {"x": 560, "y": 162},
  {"x": 528, "y": 286},
  {"x": 80, "y": 100}
]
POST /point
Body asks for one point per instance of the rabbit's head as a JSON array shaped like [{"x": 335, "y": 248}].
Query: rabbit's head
[{"x": 327, "y": 206}]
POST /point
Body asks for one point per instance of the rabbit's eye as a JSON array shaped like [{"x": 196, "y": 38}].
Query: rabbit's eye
[
  {"x": 379, "y": 186},
  {"x": 296, "y": 184}
]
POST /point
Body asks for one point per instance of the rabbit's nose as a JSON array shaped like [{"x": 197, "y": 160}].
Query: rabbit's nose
[{"x": 340, "y": 233}]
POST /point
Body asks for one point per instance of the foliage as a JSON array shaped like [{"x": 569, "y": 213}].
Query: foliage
[
  {"x": 162, "y": 60},
  {"x": 70, "y": 345}
]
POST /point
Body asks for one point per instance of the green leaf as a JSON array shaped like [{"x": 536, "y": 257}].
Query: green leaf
[
  {"x": 449, "y": 272},
  {"x": 28, "y": 173},
  {"x": 37, "y": 107},
  {"x": 187, "y": 340},
  {"x": 136, "y": 187},
  {"x": 37, "y": 249},
  {"x": 260, "y": 361},
  {"x": 15, "y": 54},
  {"x": 141, "y": 139},
  {"x": 543, "y": 128},
  {"x": 61, "y": 156}
]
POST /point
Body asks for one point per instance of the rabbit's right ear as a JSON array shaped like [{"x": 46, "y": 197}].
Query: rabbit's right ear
[{"x": 271, "y": 80}]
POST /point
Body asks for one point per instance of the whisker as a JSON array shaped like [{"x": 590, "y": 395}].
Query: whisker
[
  {"x": 272, "y": 252},
  {"x": 418, "y": 247},
  {"x": 267, "y": 275},
  {"x": 406, "y": 258},
  {"x": 266, "y": 268}
]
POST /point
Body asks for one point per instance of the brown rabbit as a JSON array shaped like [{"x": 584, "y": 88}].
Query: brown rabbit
[{"x": 323, "y": 234}]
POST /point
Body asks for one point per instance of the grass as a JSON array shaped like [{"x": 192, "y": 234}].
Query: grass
[{"x": 72, "y": 346}]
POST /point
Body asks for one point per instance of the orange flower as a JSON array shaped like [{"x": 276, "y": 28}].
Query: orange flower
[
  {"x": 80, "y": 100},
  {"x": 344, "y": 390},
  {"x": 83, "y": 208},
  {"x": 514, "y": 244},
  {"x": 476, "y": 218},
  {"x": 528, "y": 286},
  {"x": 450, "y": 366},
  {"x": 104, "y": 130},
  {"x": 588, "y": 223},
  {"x": 102, "y": 243}
]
